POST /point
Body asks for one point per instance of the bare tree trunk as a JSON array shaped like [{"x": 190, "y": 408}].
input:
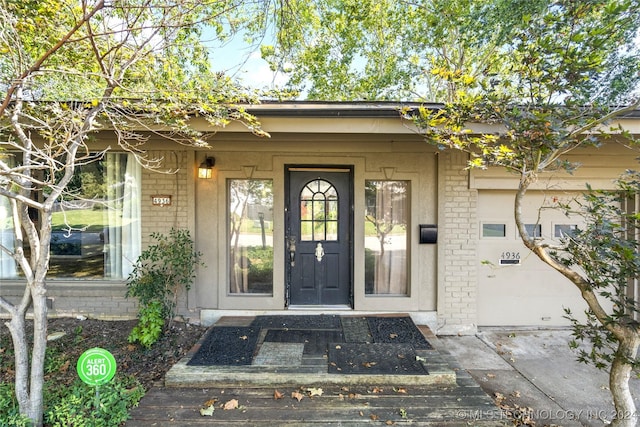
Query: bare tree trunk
[
  {"x": 36, "y": 405},
  {"x": 29, "y": 377},
  {"x": 619, "y": 375},
  {"x": 21, "y": 354}
]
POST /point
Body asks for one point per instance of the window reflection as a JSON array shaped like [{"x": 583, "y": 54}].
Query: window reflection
[
  {"x": 250, "y": 236},
  {"x": 95, "y": 226},
  {"x": 386, "y": 237}
]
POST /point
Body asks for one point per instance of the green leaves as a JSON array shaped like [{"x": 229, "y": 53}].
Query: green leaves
[{"x": 161, "y": 273}]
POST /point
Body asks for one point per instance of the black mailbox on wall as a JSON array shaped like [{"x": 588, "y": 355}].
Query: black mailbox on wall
[{"x": 428, "y": 233}]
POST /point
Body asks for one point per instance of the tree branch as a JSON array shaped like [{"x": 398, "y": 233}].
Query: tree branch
[{"x": 36, "y": 65}]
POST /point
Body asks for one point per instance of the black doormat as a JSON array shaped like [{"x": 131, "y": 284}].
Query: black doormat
[
  {"x": 297, "y": 322},
  {"x": 315, "y": 342},
  {"x": 227, "y": 345},
  {"x": 367, "y": 344},
  {"x": 400, "y": 330},
  {"x": 374, "y": 359},
  {"x": 356, "y": 329}
]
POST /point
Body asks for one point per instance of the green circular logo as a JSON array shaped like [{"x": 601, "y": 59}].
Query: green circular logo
[{"x": 96, "y": 366}]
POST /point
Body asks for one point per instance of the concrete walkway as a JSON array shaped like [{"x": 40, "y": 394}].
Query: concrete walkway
[{"x": 536, "y": 369}]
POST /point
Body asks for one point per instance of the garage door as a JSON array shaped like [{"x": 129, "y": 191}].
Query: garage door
[{"x": 514, "y": 286}]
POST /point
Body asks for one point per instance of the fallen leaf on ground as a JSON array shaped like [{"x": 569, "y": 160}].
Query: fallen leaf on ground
[
  {"x": 244, "y": 337},
  {"x": 277, "y": 395},
  {"x": 232, "y": 404},
  {"x": 297, "y": 395},
  {"x": 208, "y": 411},
  {"x": 210, "y": 402},
  {"x": 401, "y": 390},
  {"x": 392, "y": 336},
  {"x": 374, "y": 417},
  {"x": 369, "y": 364},
  {"x": 315, "y": 391},
  {"x": 389, "y": 423},
  {"x": 377, "y": 390}
]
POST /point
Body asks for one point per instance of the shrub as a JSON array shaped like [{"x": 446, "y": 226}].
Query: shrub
[
  {"x": 10, "y": 413},
  {"x": 77, "y": 405},
  {"x": 84, "y": 406},
  {"x": 161, "y": 272}
]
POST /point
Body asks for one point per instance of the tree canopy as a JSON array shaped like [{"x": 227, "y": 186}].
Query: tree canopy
[{"x": 392, "y": 50}]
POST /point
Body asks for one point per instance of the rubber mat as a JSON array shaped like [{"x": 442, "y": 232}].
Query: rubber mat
[
  {"x": 227, "y": 345},
  {"x": 297, "y": 322},
  {"x": 399, "y": 330},
  {"x": 374, "y": 359},
  {"x": 315, "y": 341}
]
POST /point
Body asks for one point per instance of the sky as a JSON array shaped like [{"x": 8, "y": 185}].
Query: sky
[{"x": 243, "y": 62}]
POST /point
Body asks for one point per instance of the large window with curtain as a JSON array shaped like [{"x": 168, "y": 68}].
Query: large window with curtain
[
  {"x": 386, "y": 224},
  {"x": 96, "y": 226}
]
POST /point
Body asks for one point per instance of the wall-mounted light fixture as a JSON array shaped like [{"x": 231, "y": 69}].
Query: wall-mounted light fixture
[{"x": 205, "y": 170}]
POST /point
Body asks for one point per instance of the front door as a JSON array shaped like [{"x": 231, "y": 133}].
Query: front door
[{"x": 319, "y": 227}]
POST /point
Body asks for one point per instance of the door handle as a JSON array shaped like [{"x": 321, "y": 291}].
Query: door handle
[
  {"x": 292, "y": 250},
  {"x": 319, "y": 252}
]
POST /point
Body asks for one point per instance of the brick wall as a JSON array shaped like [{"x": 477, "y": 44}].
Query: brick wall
[
  {"x": 97, "y": 301},
  {"x": 171, "y": 178},
  {"x": 457, "y": 275}
]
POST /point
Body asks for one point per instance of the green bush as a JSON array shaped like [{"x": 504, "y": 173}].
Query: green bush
[
  {"x": 10, "y": 413},
  {"x": 161, "y": 272},
  {"x": 86, "y": 406},
  {"x": 150, "y": 324},
  {"x": 77, "y": 405}
]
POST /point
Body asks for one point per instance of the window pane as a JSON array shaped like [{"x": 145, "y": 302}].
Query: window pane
[
  {"x": 318, "y": 206},
  {"x": 332, "y": 230},
  {"x": 386, "y": 237},
  {"x": 564, "y": 230},
  {"x": 95, "y": 230},
  {"x": 250, "y": 236},
  {"x": 533, "y": 230},
  {"x": 305, "y": 210},
  {"x": 494, "y": 230}
]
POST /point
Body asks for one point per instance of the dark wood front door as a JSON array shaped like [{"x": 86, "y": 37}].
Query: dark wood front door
[{"x": 319, "y": 229}]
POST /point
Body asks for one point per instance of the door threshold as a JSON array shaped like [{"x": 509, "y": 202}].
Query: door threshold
[{"x": 339, "y": 307}]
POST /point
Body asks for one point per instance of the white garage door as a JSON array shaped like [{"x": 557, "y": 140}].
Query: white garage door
[{"x": 514, "y": 286}]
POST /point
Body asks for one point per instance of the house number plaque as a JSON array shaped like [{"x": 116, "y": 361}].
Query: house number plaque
[
  {"x": 510, "y": 258},
  {"x": 161, "y": 200}
]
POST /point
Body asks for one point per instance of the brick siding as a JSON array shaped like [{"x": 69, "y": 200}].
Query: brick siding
[{"x": 457, "y": 310}]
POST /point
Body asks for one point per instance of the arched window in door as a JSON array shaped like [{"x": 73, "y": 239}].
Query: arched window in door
[{"x": 318, "y": 211}]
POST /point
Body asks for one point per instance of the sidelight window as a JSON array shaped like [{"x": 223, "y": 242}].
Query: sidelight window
[
  {"x": 386, "y": 220},
  {"x": 250, "y": 223}
]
